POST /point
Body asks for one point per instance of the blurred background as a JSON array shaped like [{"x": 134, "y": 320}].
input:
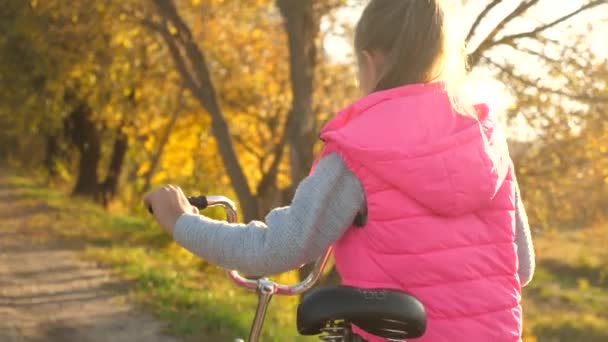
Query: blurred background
[{"x": 102, "y": 100}]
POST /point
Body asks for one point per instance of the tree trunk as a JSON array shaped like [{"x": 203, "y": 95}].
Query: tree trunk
[
  {"x": 119, "y": 152},
  {"x": 51, "y": 155},
  {"x": 302, "y": 28},
  {"x": 85, "y": 137}
]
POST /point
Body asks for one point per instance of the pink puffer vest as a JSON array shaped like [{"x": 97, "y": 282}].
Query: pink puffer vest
[{"x": 440, "y": 197}]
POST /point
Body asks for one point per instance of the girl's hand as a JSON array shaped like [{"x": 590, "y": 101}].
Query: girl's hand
[{"x": 168, "y": 203}]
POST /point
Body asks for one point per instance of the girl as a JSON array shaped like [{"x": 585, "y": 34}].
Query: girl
[{"x": 429, "y": 179}]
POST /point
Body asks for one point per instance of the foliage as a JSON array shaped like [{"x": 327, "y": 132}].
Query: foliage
[
  {"x": 563, "y": 170},
  {"x": 116, "y": 59}
]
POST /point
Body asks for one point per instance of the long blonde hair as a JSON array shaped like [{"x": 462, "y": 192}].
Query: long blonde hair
[{"x": 414, "y": 37}]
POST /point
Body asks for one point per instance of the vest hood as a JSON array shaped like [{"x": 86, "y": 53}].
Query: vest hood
[{"x": 413, "y": 138}]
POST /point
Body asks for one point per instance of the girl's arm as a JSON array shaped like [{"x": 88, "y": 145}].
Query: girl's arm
[
  {"x": 324, "y": 206},
  {"x": 523, "y": 239}
]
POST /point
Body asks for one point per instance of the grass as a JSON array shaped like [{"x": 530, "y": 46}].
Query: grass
[
  {"x": 196, "y": 299},
  {"x": 567, "y": 300}
]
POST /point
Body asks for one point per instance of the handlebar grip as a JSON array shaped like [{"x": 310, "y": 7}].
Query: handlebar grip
[{"x": 199, "y": 202}]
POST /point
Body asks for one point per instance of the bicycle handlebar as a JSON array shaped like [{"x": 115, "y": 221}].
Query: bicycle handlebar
[
  {"x": 263, "y": 286},
  {"x": 202, "y": 202}
]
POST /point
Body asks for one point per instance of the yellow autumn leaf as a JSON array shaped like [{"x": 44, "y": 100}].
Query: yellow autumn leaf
[
  {"x": 171, "y": 28},
  {"x": 583, "y": 283}
]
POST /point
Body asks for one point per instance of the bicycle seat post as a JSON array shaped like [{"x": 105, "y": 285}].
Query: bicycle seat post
[{"x": 266, "y": 289}]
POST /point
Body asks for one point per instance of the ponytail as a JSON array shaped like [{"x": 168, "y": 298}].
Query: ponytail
[{"x": 412, "y": 35}]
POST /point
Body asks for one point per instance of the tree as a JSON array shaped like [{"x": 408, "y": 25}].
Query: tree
[
  {"x": 563, "y": 169},
  {"x": 565, "y": 92},
  {"x": 301, "y": 20},
  {"x": 83, "y": 71}
]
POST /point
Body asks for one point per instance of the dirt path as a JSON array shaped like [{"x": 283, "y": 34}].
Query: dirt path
[{"x": 48, "y": 293}]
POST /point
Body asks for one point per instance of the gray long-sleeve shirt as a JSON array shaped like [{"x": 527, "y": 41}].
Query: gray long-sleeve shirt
[{"x": 324, "y": 206}]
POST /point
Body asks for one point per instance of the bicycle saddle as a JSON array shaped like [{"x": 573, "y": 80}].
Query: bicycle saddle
[{"x": 384, "y": 313}]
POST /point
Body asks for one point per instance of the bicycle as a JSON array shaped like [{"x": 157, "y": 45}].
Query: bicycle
[{"x": 329, "y": 312}]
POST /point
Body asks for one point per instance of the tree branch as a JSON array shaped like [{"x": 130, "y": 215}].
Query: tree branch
[
  {"x": 540, "y": 55},
  {"x": 247, "y": 146},
  {"x": 164, "y": 139},
  {"x": 270, "y": 176},
  {"x": 536, "y": 84},
  {"x": 488, "y": 41},
  {"x": 534, "y": 33},
  {"x": 480, "y": 17},
  {"x": 175, "y": 52},
  {"x": 565, "y": 165}
]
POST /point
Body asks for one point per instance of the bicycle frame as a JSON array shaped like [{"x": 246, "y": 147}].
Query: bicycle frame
[{"x": 265, "y": 287}]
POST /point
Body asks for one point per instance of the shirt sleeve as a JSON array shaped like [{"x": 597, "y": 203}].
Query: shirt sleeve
[
  {"x": 523, "y": 240},
  {"x": 324, "y": 206}
]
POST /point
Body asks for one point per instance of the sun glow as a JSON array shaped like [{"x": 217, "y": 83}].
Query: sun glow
[{"x": 480, "y": 84}]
